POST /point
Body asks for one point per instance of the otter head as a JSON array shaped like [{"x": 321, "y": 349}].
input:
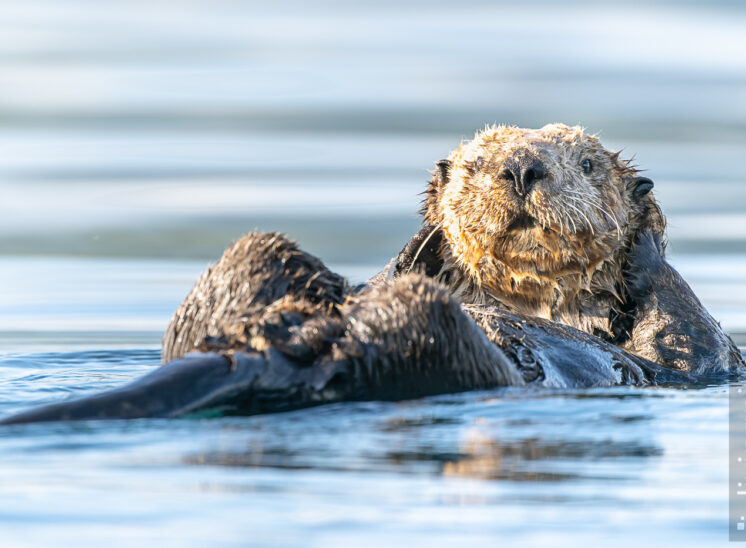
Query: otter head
[{"x": 536, "y": 218}]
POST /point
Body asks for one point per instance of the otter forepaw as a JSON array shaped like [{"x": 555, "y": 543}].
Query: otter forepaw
[
  {"x": 645, "y": 259},
  {"x": 421, "y": 252}
]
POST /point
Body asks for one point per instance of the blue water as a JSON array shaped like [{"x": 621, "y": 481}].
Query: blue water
[
  {"x": 138, "y": 138},
  {"x": 532, "y": 467}
]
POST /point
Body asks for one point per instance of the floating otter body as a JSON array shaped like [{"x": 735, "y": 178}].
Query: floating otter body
[
  {"x": 291, "y": 334},
  {"x": 524, "y": 281}
]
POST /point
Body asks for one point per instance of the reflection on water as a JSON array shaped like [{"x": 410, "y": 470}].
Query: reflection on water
[
  {"x": 139, "y": 138},
  {"x": 487, "y": 458},
  {"x": 473, "y": 466},
  {"x": 478, "y": 455}
]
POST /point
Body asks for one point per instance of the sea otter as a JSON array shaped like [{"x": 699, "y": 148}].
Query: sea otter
[
  {"x": 276, "y": 330},
  {"x": 548, "y": 223},
  {"x": 516, "y": 269}
]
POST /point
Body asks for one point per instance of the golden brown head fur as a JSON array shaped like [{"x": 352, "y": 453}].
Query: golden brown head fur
[{"x": 539, "y": 221}]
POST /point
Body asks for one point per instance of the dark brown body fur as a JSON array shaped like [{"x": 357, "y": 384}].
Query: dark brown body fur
[{"x": 391, "y": 339}]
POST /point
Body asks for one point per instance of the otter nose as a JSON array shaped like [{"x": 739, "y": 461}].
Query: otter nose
[{"x": 523, "y": 171}]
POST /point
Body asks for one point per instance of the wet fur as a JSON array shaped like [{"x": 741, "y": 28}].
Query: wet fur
[
  {"x": 583, "y": 249},
  {"x": 558, "y": 254},
  {"x": 253, "y": 273}
]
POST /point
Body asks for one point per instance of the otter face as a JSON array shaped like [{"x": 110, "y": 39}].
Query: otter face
[{"x": 523, "y": 208}]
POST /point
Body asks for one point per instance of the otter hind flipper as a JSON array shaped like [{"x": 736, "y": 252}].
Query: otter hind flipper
[
  {"x": 169, "y": 390},
  {"x": 229, "y": 383},
  {"x": 392, "y": 342}
]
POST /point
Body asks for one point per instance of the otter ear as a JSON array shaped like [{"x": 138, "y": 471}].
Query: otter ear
[
  {"x": 641, "y": 186},
  {"x": 443, "y": 172}
]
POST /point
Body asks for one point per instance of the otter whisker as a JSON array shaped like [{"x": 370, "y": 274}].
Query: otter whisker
[
  {"x": 595, "y": 204},
  {"x": 587, "y": 199},
  {"x": 608, "y": 214},
  {"x": 574, "y": 228},
  {"x": 590, "y": 226},
  {"x": 572, "y": 203},
  {"x": 584, "y": 197},
  {"x": 598, "y": 205},
  {"x": 612, "y": 217},
  {"x": 618, "y": 229}
]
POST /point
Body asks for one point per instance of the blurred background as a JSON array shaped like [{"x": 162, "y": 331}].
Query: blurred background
[{"x": 139, "y": 138}]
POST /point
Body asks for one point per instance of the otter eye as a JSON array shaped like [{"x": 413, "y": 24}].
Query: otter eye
[
  {"x": 478, "y": 163},
  {"x": 587, "y": 166}
]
